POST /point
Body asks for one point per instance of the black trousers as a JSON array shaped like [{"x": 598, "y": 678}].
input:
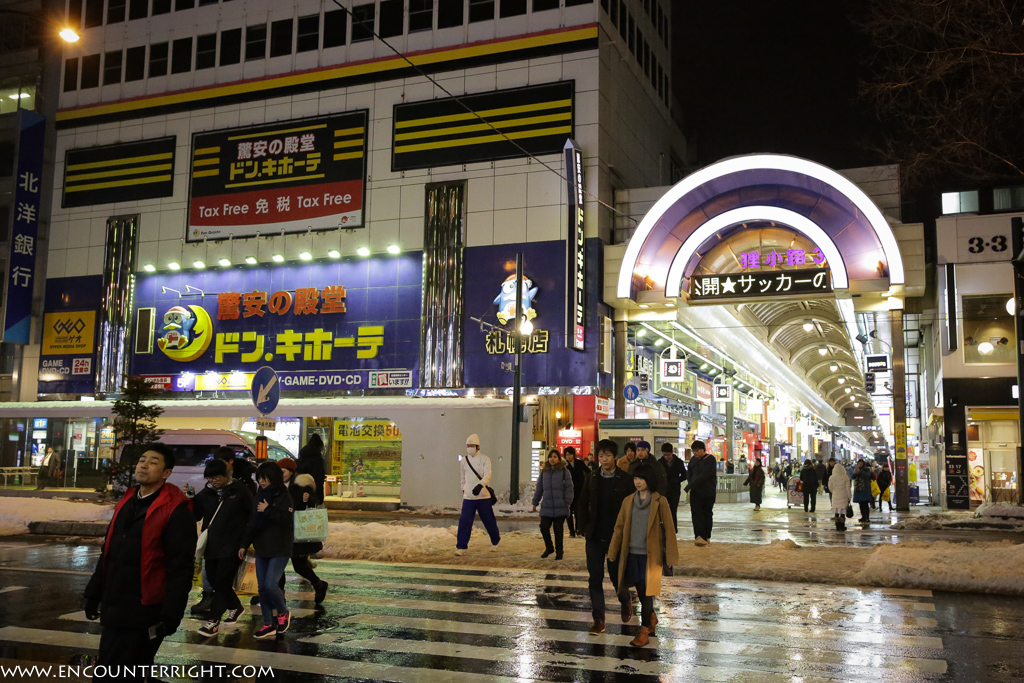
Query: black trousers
[
  {"x": 573, "y": 516},
  {"x": 597, "y": 551},
  {"x": 126, "y": 647},
  {"x": 812, "y": 498},
  {"x": 673, "y": 505},
  {"x": 545, "y": 531},
  {"x": 864, "y": 512},
  {"x": 701, "y": 512},
  {"x": 221, "y": 573},
  {"x": 304, "y": 568}
]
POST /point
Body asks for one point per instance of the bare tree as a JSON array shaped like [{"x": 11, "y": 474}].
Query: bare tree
[{"x": 948, "y": 84}]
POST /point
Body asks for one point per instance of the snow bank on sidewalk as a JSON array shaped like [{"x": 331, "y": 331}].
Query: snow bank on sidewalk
[
  {"x": 965, "y": 567},
  {"x": 1000, "y": 510},
  {"x": 994, "y": 516},
  {"x": 393, "y": 542},
  {"x": 17, "y": 512}
]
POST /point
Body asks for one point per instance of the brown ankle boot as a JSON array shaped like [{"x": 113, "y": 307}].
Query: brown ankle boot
[
  {"x": 642, "y": 637},
  {"x": 654, "y": 622}
]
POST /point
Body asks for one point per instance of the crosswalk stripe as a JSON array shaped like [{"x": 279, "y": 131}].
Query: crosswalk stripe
[
  {"x": 857, "y": 615},
  {"x": 195, "y": 624},
  {"x": 11, "y": 589},
  {"x": 710, "y": 647},
  {"x": 734, "y": 626}
]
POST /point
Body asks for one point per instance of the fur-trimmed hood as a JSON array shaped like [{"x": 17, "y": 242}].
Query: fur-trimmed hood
[{"x": 560, "y": 465}]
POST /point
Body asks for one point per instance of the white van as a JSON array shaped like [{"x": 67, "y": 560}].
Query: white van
[{"x": 193, "y": 448}]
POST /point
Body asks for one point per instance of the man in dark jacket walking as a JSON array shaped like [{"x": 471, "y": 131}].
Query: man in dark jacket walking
[
  {"x": 809, "y": 482},
  {"x": 884, "y": 482},
  {"x": 144, "y": 573},
  {"x": 702, "y": 485},
  {"x": 675, "y": 475},
  {"x": 224, "y": 507},
  {"x": 311, "y": 462},
  {"x": 600, "y": 500},
  {"x": 644, "y": 457},
  {"x": 578, "y": 471}
]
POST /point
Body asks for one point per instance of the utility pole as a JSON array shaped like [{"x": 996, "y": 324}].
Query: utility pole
[
  {"x": 513, "y": 479},
  {"x": 1017, "y": 243}
]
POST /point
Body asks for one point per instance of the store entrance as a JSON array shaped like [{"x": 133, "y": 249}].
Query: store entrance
[{"x": 365, "y": 460}]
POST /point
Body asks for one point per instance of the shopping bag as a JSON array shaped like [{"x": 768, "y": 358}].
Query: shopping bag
[
  {"x": 874, "y": 489},
  {"x": 197, "y": 573},
  {"x": 245, "y": 579},
  {"x": 885, "y": 493},
  {"x": 310, "y": 524}
]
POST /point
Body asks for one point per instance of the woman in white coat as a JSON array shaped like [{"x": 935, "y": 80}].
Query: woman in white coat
[{"x": 839, "y": 485}]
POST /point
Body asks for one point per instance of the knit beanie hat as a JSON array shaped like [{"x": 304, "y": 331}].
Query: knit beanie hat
[{"x": 287, "y": 464}]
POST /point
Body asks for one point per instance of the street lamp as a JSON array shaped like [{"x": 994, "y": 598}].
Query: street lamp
[{"x": 67, "y": 34}]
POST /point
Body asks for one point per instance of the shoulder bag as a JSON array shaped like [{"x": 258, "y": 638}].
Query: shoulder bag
[
  {"x": 494, "y": 498},
  {"x": 204, "y": 537}
]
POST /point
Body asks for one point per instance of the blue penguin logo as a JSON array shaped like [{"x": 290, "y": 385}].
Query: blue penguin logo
[{"x": 506, "y": 301}]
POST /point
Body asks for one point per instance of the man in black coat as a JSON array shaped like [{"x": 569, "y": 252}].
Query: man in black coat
[
  {"x": 311, "y": 462},
  {"x": 809, "y": 481},
  {"x": 578, "y": 472},
  {"x": 600, "y": 499},
  {"x": 144, "y": 573},
  {"x": 239, "y": 469},
  {"x": 675, "y": 475},
  {"x": 884, "y": 482},
  {"x": 702, "y": 485},
  {"x": 224, "y": 507}
]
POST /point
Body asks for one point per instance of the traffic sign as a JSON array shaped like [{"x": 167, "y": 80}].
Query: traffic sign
[
  {"x": 265, "y": 390},
  {"x": 631, "y": 392}
]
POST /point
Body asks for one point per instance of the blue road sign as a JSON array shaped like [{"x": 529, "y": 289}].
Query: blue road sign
[
  {"x": 630, "y": 392},
  {"x": 265, "y": 390}
]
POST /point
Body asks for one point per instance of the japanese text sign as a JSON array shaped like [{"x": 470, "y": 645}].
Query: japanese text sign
[
  {"x": 776, "y": 284},
  {"x": 21, "y": 268},
  {"x": 290, "y": 176},
  {"x": 68, "y": 333},
  {"x": 787, "y": 257},
  {"x": 366, "y": 430}
]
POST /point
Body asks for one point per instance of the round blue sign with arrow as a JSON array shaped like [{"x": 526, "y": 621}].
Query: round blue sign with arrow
[
  {"x": 630, "y": 392},
  {"x": 265, "y": 390}
]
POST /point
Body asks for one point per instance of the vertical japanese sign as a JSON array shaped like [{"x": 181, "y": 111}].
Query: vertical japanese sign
[
  {"x": 575, "y": 273},
  {"x": 21, "y": 270}
]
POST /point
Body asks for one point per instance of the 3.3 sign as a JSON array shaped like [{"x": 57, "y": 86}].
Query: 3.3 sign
[{"x": 976, "y": 245}]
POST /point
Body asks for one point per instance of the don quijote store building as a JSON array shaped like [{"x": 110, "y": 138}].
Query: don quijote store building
[{"x": 242, "y": 184}]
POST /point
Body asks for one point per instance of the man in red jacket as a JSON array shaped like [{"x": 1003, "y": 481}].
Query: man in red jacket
[{"x": 144, "y": 574}]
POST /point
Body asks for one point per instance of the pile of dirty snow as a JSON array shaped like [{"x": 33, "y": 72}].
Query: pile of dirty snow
[
  {"x": 992, "y": 516},
  {"x": 1003, "y": 510},
  {"x": 393, "y": 542},
  {"x": 17, "y": 512},
  {"x": 966, "y": 567}
]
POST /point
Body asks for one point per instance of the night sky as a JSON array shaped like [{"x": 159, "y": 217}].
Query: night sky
[{"x": 771, "y": 76}]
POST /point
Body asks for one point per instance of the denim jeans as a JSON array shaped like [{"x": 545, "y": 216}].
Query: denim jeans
[{"x": 269, "y": 571}]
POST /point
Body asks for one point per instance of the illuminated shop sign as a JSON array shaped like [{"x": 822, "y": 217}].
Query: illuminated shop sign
[
  {"x": 24, "y": 229},
  {"x": 877, "y": 362},
  {"x": 343, "y": 325},
  {"x": 783, "y": 283},
  {"x": 575, "y": 245},
  {"x": 789, "y": 257},
  {"x": 287, "y": 176},
  {"x": 500, "y": 341}
]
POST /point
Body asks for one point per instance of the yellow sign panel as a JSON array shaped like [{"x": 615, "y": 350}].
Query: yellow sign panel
[
  {"x": 65, "y": 334},
  {"x": 900, "y": 432},
  {"x": 366, "y": 430}
]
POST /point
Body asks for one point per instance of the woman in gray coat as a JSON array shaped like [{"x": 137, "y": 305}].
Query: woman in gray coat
[{"x": 554, "y": 492}]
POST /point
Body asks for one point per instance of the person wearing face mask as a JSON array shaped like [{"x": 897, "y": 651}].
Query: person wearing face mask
[{"x": 475, "y": 473}]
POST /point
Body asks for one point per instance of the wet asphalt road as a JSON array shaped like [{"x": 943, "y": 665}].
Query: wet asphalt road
[{"x": 435, "y": 624}]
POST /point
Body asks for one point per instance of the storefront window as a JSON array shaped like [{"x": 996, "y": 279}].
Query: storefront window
[
  {"x": 988, "y": 330},
  {"x": 992, "y": 460},
  {"x": 17, "y": 93},
  {"x": 367, "y": 457}
]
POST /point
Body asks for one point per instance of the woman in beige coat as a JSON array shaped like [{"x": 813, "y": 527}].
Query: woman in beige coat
[{"x": 643, "y": 555}]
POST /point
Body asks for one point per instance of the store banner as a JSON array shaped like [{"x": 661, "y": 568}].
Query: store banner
[
  {"x": 504, "y": 124},
  {"x": 68, "y": 351},
  {"x": 575, "y": 245},
  {"x": 24, "y": 229},
  {"x": 119, "y": 173},
  {"x": 490, "y": 296},
  {"x": 346, "y": 325},
  {"x": 288, "y": 176}
]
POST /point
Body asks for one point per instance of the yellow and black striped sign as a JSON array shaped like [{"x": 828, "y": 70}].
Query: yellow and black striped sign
[
  {"x": 119, "y": 173},
  {"x": 496, "y": 125}
]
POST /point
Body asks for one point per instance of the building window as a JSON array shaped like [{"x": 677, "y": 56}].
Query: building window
[
  {"x": 335, "y": 25},
  {"x": 362, "y": 22},
  {"x": 960, "y": 202},
  {"x": 93, "y": 13},
  {"x": 181, "y": 55},
  {"x": 230, "y": 46},
  {"x": 281, "y": 38},
  {"x": 570, "y": 3},
  {"x": 90, "y": 71},
  {"x": 158, "y": 59},
  {"x": 308, "y": 38},
  {"x": 75, "y": 13},
  {"x": 206, "y": 51},
  {"x": 112, "y": 62},
  {"x": 481, "y": 10},
  {"x": 623, "y": 22},
  {"x": 449, "y": 13},
  {"x": 207, "y": 2},
  {"x": 421, "y": 15},
  {"x": 255, "y": 42},
  {"x": 180, "y": 5},
  {"x": 391, "y": 18},
  {"x": 161, "y": 7},
  {"x": 138, "y": 9},
  {"x": 544, "y": 5},
  {"x": 512, "y": 8},
  {"x": 115, "y": 11},
  {"x": 1008, "y": 198},
  {"x": 989, "y": 336},
  {"x": 631, "y": 32},
  {"x": 71, "y": 74},
  {"x": 135, "y": 63}
]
